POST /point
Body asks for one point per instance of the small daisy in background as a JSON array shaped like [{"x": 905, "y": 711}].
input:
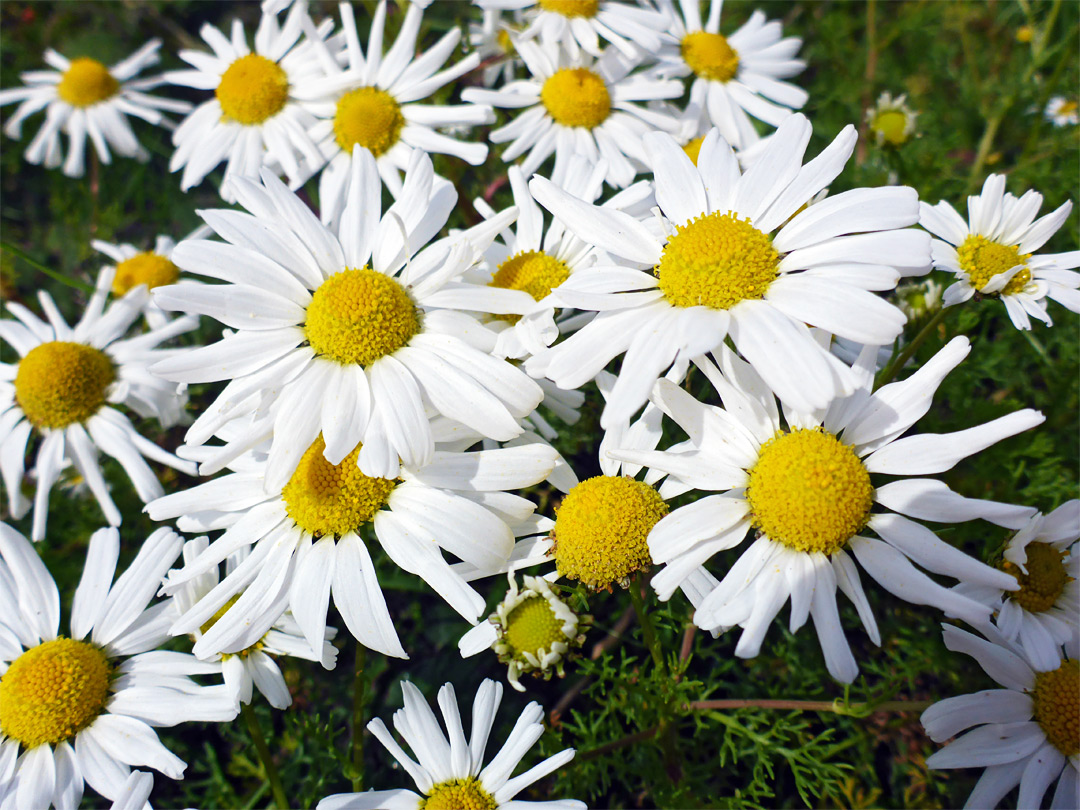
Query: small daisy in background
[
  {"x": 767, "y": 475},
  {"x": 737, "y": 78},
  {"x": 84, "y": 707},
  {"x": 373, "y": 103},
  {"x": 994, "y": 252},
  {"x": 1062, "y": 112},
  {"x": 254, "y": 118},
  {"x": 84, "y": 98},
  {"x": 578, "y": 106},
  {"x": 490, "y": 38},
  {"x": 1026, "y": 734},
  {"x": 63, "y": 387},
  {"x": 891, "y": 121},
  {"x": 254, "y": 666},
  {"x": 449, "y": 771}
]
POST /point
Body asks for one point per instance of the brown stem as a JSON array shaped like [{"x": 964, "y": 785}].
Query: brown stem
[
  {"x": 812, "y": 705},
  {"x": 868, "y": 77},
  {"x": 687, "y": 641},
  {"x": 615, "y": 745}
]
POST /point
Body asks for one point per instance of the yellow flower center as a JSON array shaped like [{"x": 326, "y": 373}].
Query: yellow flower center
[
  {"x": 1057, "y": 706},
  {"x": 86, "y": 82},
  {"x": 1067, "y": 108},
  {"x": 328, "y": 499},
  {"x": 144, "y": 268},
  {"x": 358, "y": 316},
  {"x": 458, "y": 794},
  {"x": 1041, "y": 586},
  {"x": 370, "y": 117},
  {"x": 693, "y": 148},
  {"x": 571, "y": 8},
  {"x": 576, "y": 97},
  {"x": 809, "y": 491},
  {"x": 531, "y": 271},
  {"x": 252, "y": 89},
  {"x": 710, "y": 56},
  {"x": 505, "y": 42},
  {"x": 58, "y": 383},
  {"x": 601, "y": 529},
  {"x": 892, "y": 125},
  {"x": 982, "y": 259},
  {"x": 716, "y": 260},
  {"x": 53, "y": 691},
  {"x": 205, "y": 628},
  {"x": 532, "y": 626}
]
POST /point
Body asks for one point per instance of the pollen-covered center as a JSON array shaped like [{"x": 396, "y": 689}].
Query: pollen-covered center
[
  {"x": 53, "y": 691},
  {"x": 809, "y": 491},
  {"x": 982, "y": 259},
  {"x": 86, "y": 82},
  {"x": 369, "y": 117},
  {"x": 576, "y": 97},
  {"x": 710, "y": 56},
  {"x": 148, "y": 268},
  {"x": 1057, "y": 706},
  {"x": 601, "y": 529},
  {"x": 59, "y": 383},
  {"x": 1046, "y": 578},
  {"x": 252, "y": 89},
  {"x": 571, "y": 8},
  {"x": 531, "y": 271},
  {"x": 221, "y": 611},
  {"x": 458, "y": 794},
  {"x": 716, "y": 260},
  {"x": 358, "y": 316},
  {"x": 328, "y": 499},
  {"x": 693, "y": 148},
  {"x": 892, "y": 125},
  {"x": 532, "y": 626}
]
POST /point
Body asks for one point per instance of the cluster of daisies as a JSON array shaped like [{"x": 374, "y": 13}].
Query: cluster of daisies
[{"x": 388, "y": 388}]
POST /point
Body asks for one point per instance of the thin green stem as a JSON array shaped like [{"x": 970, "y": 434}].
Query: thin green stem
[
  {"x": 647, "y": 629},
  {"x": 272, "y": 778},
  {"x": 986, "y": 143},
  {"x": 357, "y": 744},
  {"x": 898, "y": 361},
  {"x": 26, "y": 257}
]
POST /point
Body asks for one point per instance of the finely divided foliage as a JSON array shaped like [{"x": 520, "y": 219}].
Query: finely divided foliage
[{"x": 561, "y": 342}]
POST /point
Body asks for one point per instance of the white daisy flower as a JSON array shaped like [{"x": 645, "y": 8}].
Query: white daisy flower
[
  {"x": 349, "y": 336},
  {"x": 579, "y": 25},
  {"x": 82, "y": 97},
  {"x": 993, "y": 253},
  {"x": 63, "y": 387},
  {"x": 372, "y": 103},
  {"x": 891, "y": 121},
  {"x": 1044, "y": 558},
  {"x": 736, "y": 77},
  {"x": 806, "y": 486},
  {"x": 1062, "y": 112},
  {"x": 253, "y": 666},
  {"x": 532, "y": 631},
  {"x": 1026, "y": 734},
  {"x": 255, "y": 118},
  {"x": 490, "y": 38},
  {"x": 578, "y": 107},
  {"x": 83, "y": 707},
  {"x": 448, "y": 771},
  {"x": 709, "y": 266},
  {"x": 305, "y": 540}
]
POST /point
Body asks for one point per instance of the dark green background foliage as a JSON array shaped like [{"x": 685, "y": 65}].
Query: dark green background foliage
[{"x": 968, "y": 73}]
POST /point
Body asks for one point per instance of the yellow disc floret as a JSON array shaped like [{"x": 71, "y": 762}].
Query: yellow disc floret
[
  {"x": 53, "y": 691},
  {"x": 571, "y": 8},
  {"x": 710, "y": 56},
  {"x": 1046, "y": 578},
  {"x": 86, "y": 82},
  {"x": 892, "y": 126},
  {"x": 458, "y": 794},
  {"x": 693, "y": 148},
  {"x": 533, "y": 627},
  {"x": 576, "y": 97},
  {"x": 369, "y": 117},
  {"x": 716, "y": 260},
  {"x": 252, "y": 89},
  {"x": 531, "y": 271},
  {"x": 809, "y": 491},
  {"x": 1057, "y": 706},
  {"x": 221, "y": 611},
  {"x": 328, "y": 499},
  {"x": 982, "y": 259},
  {"x": 59, "y": 383},
  {"x": 148, "y": 268},
  {"x": 358, "y": 316},
  {"x": 601, "y": 529}
]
